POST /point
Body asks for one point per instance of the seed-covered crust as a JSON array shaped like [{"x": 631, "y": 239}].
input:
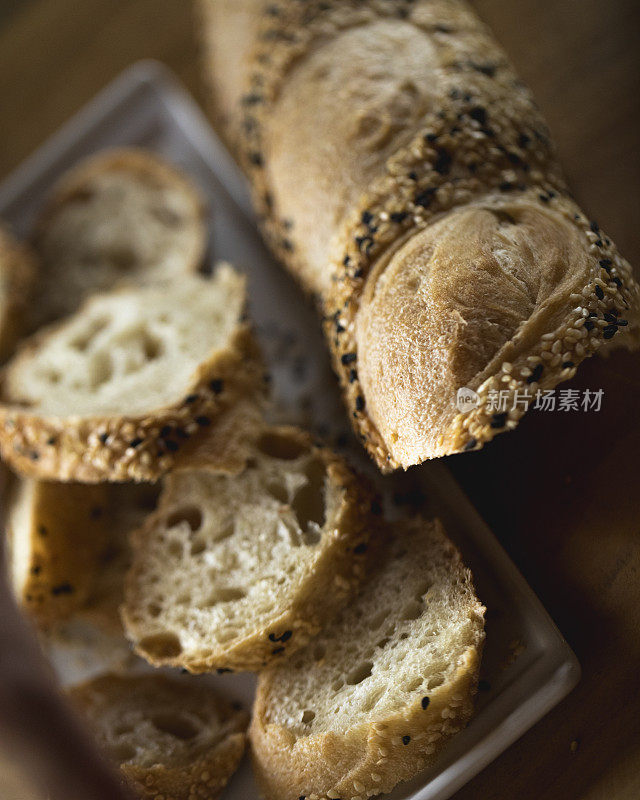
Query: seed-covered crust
[
  {"x": 18, "y": 270},
  {"x": 336, "y": 567},
  {"x": 391, "y": 167},
  {"x": 144, "y": 447},
  {"x": 128, "y": 713}
]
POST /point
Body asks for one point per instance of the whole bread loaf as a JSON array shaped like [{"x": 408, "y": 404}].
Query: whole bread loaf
[{"x": 404, "y": 174}]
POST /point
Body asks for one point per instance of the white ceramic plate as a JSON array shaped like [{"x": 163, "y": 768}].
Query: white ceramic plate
[{"x": 527, "y": 666}]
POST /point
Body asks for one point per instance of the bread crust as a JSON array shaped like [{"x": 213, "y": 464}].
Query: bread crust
[
  {"x": 18, "y": 270},
  {"x": 204, "y": 776},
  {"x": 141, "y": 447},
  {"x": 481, "y": 137},
  {"x": 335, "y": 576}
]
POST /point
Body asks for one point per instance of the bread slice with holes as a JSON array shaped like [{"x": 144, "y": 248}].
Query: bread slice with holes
[
  {"x": 128, "y": 386},
  {"x": 18, "y": 270},
  {"x": 122, "y": 214},
  {"x": 68, "y": 547},
  {"x": 372, "y": 699},
  {"x": 232, "y": 573},
  {"x": 170, "y": 738}
]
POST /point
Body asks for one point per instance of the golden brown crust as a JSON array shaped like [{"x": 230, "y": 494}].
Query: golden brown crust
[
  {"x": 138, "y": 448},
  {"x": 479, "y": 138},
  {"x": 61, "y": 567},
  {"x": 18, "y": 270},
  {"x": 207, "y": 771},
  {"x": 366, "y": 760},
  {"x": 337, "y": 572}
]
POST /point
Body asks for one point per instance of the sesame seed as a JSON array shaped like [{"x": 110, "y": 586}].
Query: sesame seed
[
  {"x": 203, "y": 421},
  {"x": 599, "y": 292},
  {"x": 471, "y": 444},
  {"x": 191, "y": 398},
  {"x": 360, "y": 548},
  {"x": 536, "y": 374},
  {"x": 425, "y": 703},
  {"x": 62, "y": 588},
  {"x": 135, "y": 442},
  {"x": 406, "y": 739},
  {"x": 360, "y": 403},
  {"x": 348, "y": 358},
  {"x": 103, "y": 437}
]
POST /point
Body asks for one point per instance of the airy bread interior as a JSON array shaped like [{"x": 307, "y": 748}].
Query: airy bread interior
[
  {"x": 225, "y": 558},
  {"x": 146, "y": 720},
  {"x": 128, "y": 351},
  {"x": 397, "y": 643},
  {"x": 120, "y": 215}
]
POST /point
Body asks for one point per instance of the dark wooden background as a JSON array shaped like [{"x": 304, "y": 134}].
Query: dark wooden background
[{"x": 563, "y": 491}]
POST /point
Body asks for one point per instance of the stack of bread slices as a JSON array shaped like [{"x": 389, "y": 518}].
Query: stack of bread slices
[{"x": 151, "y": 496}]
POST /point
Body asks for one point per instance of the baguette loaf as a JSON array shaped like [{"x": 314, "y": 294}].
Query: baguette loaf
[
  {"x": 233, "y": 572},
  {"x": 17, "y": 276},
  {"x": 372, "y": 699},
  {"x": 128, "y": 386},
  {"x": 119, "y": 215},
  {"x": 68, "y": 548},
  {"x": 171, "y": 739},
  {"x": 405, "y": 175}
]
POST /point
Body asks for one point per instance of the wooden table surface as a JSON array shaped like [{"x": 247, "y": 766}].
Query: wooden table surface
[{"x": 563, "y": 491}]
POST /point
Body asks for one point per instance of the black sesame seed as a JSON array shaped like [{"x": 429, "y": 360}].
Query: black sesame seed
[
  {"x": 498, "y": 420},
  {"x": 287, "y": 245},
  {"x": 536, "y": 374},
  {"x": 135, "y": 442},
  {"x": 544, "y": 198},
  {"x": 470, "y": 444},
  {"x": 425, "y": 197},
  {"x": 345, "y": 261},
  {"x": 413, "y": 175},
  {"x": 364, "y": 243},
  {"x": 486, "y": 69},
  {"x": 358, "y": 273},
  {"x": 567, "y": 364},
  {"x": 605, "y": 263},
  {"x": 359, "y": 403},
  {"x": 366, "y": 217},
  {"x": 103, "y": 437},
  {"x": 222, "y": 670},
  {"x": 599, "y": 293},
  {"x": 610, "y": 331},
  {"x": 52, "y": 440},
  {"x": 617, "y": 282},
  {"x": 622, "y": 323},
  {"x": 506, "y": 186},
  {"x": 348, "y": 358},
  {"x": 425, "y": 703},
  {"x": 353, "y": 375},
  {"x": 35, "y": 570},
  {"x": 589, "y": 325},
  {"x": 166, "y": 430},
  {"x": 610, "y": 317},
  {"x": 277, "y": 650},
  {"x": 598, "y": 242},
  {"x": 42, "y": 531},
  {"x": 398, "y": 216},
  {"x": 251, "y": 99},
  {"x": 592, "y": 314},
  {"x": 62, "y": 588},
  {"x": 523, "y": 140},
  {"x": 216, "y": 385},
  {"x": 256, "y": 159},
  {"x": 433, "y": 137},
  {"x": 203, "y": 421},
  {"x": 360, "y": 548},
  {"x": 272, "y": 637},
  {"x": 406, "y": 739},
  {"x": 479, "y": 114},
  {"x": 595, "y": 227},
  {"x": 34, "y": 455},
  {"x": 171, "y": 446},
  {"x": 191, "y": 398},
  {"x": 442, "y": 164}
]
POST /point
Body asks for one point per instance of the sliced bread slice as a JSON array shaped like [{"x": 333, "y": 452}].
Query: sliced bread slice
[
  {"x": 371, "y": 700},
  {"x": 171, "y": 738},
  {"x": 68, "y": 547},
  {"x": 234, "y": 572},
  {"x": 121, "y": 214},
  {"x": 17, "y": 276},
  {"x": 129, "y": 385}
]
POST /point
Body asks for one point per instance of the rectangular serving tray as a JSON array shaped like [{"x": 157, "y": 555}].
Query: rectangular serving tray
[{"x": 527, "y": 667}]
